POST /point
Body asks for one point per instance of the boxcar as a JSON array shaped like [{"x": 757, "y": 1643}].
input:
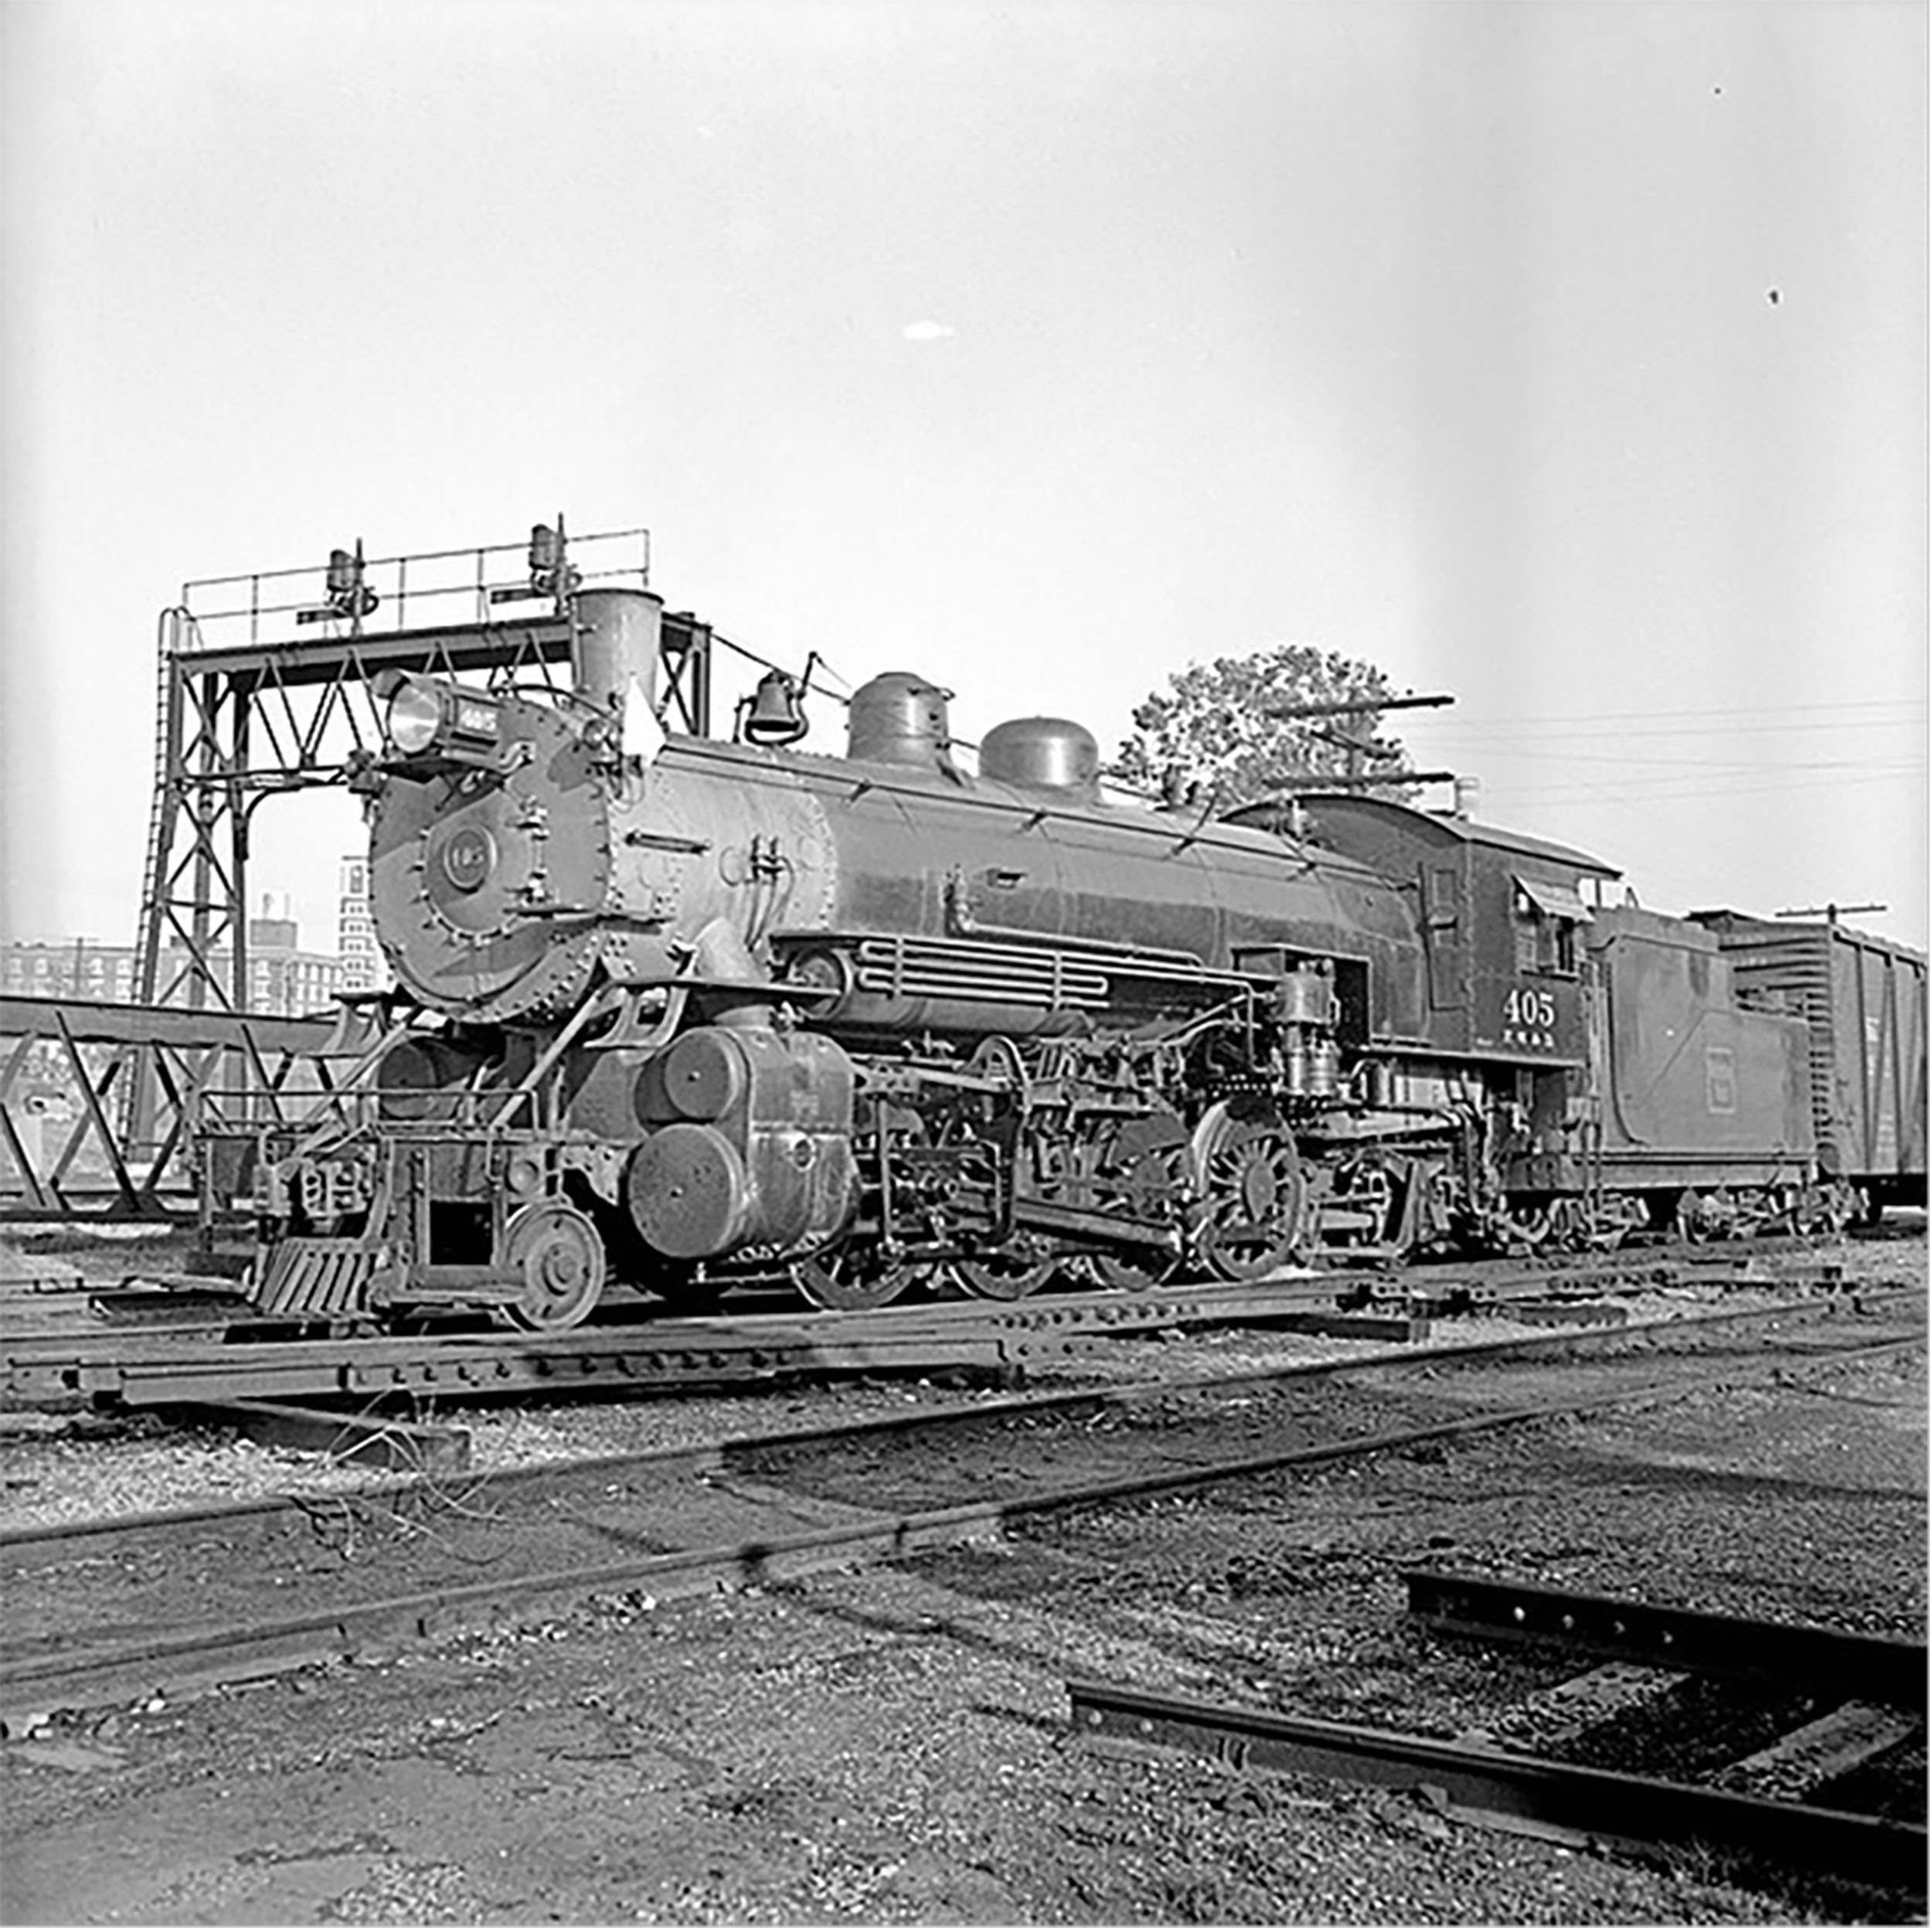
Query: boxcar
[{"x": 1863, "y": 1002}]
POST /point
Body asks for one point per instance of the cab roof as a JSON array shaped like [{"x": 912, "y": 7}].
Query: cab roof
[{"x": 1443, "y": 826}]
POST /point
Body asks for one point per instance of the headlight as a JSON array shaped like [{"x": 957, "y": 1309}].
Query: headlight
[{"x": 415, "y": 715}]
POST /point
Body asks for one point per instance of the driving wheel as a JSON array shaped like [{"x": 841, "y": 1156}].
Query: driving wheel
[
  {"x": 852, "y": 1278},
  {"x": 1254, "y": 1195},
  {"x": 1002, "y": 1276},
  {"x": 1142, "y": 1173}
]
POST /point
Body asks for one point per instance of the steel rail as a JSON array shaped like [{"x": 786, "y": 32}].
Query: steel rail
[
  {"x": 148, "y": 1367},
  {"x": 1870, "y": 1668},
  {"x": 270, "y": 1372},
  {"x": 33, "y": 1684},
  {"x": 148, "y": 1301},
  {"x": 1484, "y": 1784},
  {"x": 35, "y": 1547}
]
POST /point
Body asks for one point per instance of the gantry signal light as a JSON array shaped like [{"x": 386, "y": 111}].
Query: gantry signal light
[
  {"x": 348, "y": 596},
  {"x": 552, "y": 574}
]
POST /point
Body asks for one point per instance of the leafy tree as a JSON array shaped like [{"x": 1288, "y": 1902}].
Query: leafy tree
[{"x": 1211, "y": 730}]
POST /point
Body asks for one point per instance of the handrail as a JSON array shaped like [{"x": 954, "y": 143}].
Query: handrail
[{"x": 279, "y": 605}]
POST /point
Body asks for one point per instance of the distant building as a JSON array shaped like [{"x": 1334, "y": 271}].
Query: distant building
[
  {"x": 283, "y": 979},
  {"x": 355, "y": 929},
  {"x": 69, "y": 969}
]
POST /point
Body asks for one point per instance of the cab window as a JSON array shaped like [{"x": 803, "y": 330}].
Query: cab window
[{"x": 1545, "y": 941}]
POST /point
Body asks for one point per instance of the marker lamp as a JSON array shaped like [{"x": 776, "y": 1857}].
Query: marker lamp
[{"x": 415, "y": 715}]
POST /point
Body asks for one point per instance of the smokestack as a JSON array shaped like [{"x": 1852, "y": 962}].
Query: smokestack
[{"x": 614, "y": 639}]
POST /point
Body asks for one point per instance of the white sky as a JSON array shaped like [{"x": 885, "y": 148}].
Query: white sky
[{"x": 1439, "y": 334}]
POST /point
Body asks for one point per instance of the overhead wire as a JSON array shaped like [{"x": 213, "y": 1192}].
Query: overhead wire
[
  {"x": 1676, "y": 714},
  {"x": 1768, "y": 783},
  {"x": 1681, "y": 764},
  {"x": 1659, "y": 773}
]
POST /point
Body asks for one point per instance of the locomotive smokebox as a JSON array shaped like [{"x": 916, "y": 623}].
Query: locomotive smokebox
[{"x": 614, "y": 639}]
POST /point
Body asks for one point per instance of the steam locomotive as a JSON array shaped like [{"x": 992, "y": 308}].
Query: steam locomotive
[{"x": 672, "y": 1013}]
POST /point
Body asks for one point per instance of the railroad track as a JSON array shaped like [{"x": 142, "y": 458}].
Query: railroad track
[
  {"x": 415, "y": 1561},
  {"x": 1860, "y": 1700},
  {"x": 171, "y": 1350},
  {"x": 148, "y": 1365}
]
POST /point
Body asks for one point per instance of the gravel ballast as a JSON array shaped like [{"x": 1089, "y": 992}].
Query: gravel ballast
[{"x": 892, "y": 1745}]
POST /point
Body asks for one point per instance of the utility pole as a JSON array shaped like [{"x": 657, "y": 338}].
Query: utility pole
[
  {"x": 1356, "y": 780},
  {"x": 1354, "y": 707},
  {"x": 1830, "y": 913}
]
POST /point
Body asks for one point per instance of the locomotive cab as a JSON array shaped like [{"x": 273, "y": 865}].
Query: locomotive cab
[{"x": 1502, "y": 917}]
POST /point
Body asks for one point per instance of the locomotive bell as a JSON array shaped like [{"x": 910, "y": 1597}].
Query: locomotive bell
[{"x": 775, "y": 714}]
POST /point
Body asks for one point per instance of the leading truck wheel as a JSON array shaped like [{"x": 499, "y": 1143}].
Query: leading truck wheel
[{"x": 556, "y": 1252}]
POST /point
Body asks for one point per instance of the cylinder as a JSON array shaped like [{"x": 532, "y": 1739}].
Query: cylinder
[
  {"x": 614, "y": 639},
  {"x": 703, "y": 1074},
  {"x": 688, "y": 1193}
]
